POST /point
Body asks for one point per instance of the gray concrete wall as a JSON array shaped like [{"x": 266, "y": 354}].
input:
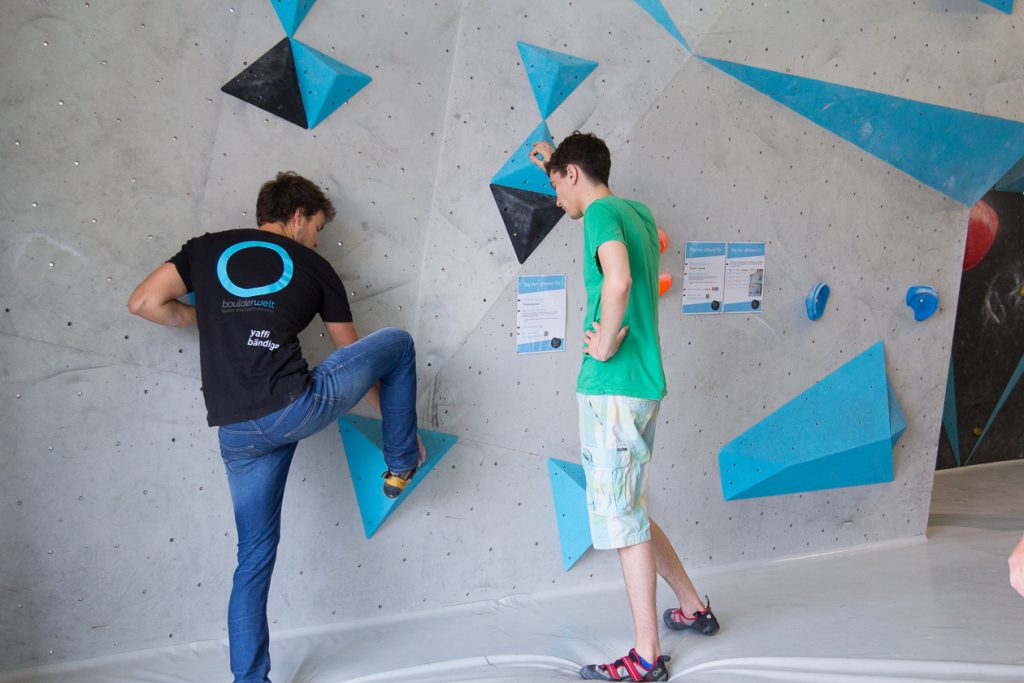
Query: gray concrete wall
[{"x": 116, "y": 524}]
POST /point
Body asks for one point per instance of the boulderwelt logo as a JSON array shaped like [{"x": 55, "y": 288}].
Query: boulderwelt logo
[{"x": 247, "y": 301}]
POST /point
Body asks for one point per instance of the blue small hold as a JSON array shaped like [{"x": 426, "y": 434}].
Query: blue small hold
[
  {"x": 924, "y": 300},
  {"x": 816, "y": 301}
]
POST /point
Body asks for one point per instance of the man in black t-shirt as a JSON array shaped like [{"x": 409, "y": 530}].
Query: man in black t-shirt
[{"x": 255, "y": 290}]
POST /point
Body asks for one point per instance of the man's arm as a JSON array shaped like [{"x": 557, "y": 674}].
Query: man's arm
[
  {"x": 156, "y": 299},
  {"x": 343, "y": 334},
  {"x": 604, "y": 341}
]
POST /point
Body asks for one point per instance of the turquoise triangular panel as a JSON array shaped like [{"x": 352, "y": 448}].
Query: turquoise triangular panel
[
  {"x": 949, "y": 418},
  {"x": 867, "y": 464},
  {"x": 959, "y": 153},
  {"x": 325, "y": 83},
  {"x": 1002, "y": 5},
  {"x": 569, "y": 487},
  {"x": 553, "y": 75},
  {"x": 364, "y": 444},
  {"x": 897, "y": 420},
  {"x": 1013, "y": 181},
  {"x": 839, "y": 432},
  {"x": 522, "y": 174},
  {"x": 291, "y": 13},
  {"x": 661, "y": 15}
]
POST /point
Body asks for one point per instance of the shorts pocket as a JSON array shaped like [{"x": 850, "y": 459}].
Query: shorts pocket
[{"x": 609, "y": 489}]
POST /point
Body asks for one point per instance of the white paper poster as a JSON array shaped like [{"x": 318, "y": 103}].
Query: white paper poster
[
  {"x": 723, "y": 277},
  {"x": 744, "y": 277},
  {"x": 703, "y": 277},
  {"x": 540, "y": 314}
]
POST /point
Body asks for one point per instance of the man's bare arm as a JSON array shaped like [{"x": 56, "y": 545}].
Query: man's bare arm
[
  {"x": 608, "y": 334},
  {"x": 156, "y": 299}
]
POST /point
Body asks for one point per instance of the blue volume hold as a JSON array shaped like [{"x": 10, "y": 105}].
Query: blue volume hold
[
  {"x": 291, "y": 13},
  {"x": 364, "y": 450},
  {"x": 661, "y": 15},
  {"x": 959, "y": 153},
  {"x": 569, "y": 488},
  {"x": 839, "y": 432},
  {"x": 553, "y": 75},
  {"x": 324, "y": 83},
  {"x": 1001, "y": 5},
  {"x": 519, "y": 172}
]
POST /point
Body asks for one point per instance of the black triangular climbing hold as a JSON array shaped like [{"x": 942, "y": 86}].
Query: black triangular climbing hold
[
  {"x": 271, "y": 83},
  {"x": 529, "y": 217}
]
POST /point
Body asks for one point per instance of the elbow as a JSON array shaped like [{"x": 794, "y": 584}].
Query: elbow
[
  {"x": 136, "y": 303},
  {"x": 619, "y": 286}
]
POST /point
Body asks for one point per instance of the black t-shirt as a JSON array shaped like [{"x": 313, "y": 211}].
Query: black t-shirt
[{"x": 255, "y": 291}]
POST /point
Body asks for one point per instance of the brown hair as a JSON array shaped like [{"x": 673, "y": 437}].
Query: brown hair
[
  {"x": 585, "y": 150},
  {"x": 288, "y": 191}
]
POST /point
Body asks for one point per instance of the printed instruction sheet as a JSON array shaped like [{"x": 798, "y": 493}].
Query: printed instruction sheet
[
  {"x": 540, "y": 314},
  {"x": 703, "y": 277},
  {"x": 723, "y": 277}
]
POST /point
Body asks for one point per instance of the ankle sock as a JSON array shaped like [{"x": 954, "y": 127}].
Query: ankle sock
[{"x": 643, "y": 662}]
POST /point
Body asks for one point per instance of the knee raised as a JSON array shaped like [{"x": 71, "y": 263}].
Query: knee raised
[{"x": 400, "y": 336}]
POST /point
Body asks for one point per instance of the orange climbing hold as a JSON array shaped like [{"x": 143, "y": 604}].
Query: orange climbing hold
[
  {"x": 663, "y": 240},
  {"x": 664, "y": 283}
]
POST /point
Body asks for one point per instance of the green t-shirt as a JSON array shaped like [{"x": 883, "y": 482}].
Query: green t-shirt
[{"x": 636, "y": 369}]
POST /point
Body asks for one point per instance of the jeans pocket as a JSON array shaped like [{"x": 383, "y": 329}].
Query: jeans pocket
[
  {"x": 609, "y": 484},
  {"x": 302, "y": 421},
  {"x": 237, "y": 458}
]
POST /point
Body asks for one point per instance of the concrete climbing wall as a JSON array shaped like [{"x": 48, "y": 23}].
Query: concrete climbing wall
[{"x": 118, "y": 146}]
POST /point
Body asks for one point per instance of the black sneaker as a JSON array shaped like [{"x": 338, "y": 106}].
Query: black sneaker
[
  {"x": 627, "y": 668},
  {"x": 395, "y": 482},
  {"x": 703, "y": 621}
]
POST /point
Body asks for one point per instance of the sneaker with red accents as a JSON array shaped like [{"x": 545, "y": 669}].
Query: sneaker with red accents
[
  {"x": 628, "y": 668},
  {"x": 703, "y": 621}
]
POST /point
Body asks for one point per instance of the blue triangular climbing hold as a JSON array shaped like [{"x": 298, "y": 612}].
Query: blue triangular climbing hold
[
  {"x": 553, "y": 75},
  {"x": 291, "y": 13},
  {"x": 957, "y": 152},
  {"x": 661, "y": 15},
  {"x": 949, "y": 416},
  {"x": 364, "y": 446},
  {"x": 522, "y": 174},
  {"x": 569, "y": 487},
  {"x": 1001, "y": 5},
  {"x": 839, "y": 432},
  {"x": 325, "y": 83}
]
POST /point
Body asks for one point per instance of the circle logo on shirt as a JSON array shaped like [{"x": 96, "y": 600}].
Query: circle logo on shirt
[{"x": 245, "y": 292}]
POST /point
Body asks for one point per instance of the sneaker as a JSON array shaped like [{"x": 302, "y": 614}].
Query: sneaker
[
  {"x": 703, "y": 622},
  {"x": 627, "y": 668},
  {"x": 395, "y": 482}
]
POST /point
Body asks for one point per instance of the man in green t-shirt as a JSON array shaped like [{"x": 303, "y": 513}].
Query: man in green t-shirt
[{"x": 619, "y": 391}]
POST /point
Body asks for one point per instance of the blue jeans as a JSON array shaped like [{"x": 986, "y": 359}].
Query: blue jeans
[{"x": 258, "y": 453}]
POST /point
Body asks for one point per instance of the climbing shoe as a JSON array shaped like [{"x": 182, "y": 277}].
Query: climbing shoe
[
  {"x": 703, "y": 621},
  {"x": 628, "y": 668},
  {"x": 395, "y": 482}
]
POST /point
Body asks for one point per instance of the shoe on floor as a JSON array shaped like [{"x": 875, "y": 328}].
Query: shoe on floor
[
  {"x": 703, "y": 621},
  {"x": 628, "y": 668}
]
